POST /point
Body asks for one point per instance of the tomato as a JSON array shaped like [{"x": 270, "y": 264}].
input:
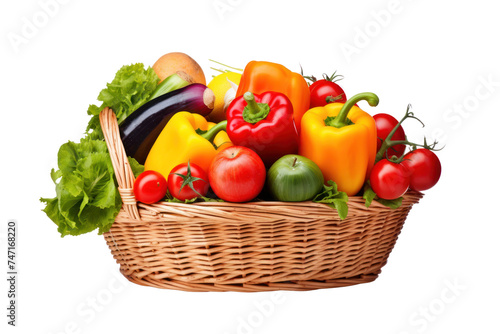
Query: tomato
[
  {"x": 424, "y": 167},
  {"x": 385, "y": 123},
  {"x": 294, "y": 178},
  {"x": 389, "y": 180},
  {"x": 237, "y": 174},
  {"x": 150, "y": 187},
  {"x": 187, "y": 181},
  {"x": 324, "y": 92}
]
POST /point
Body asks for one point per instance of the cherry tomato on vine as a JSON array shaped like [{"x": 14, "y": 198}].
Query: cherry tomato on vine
[
  {"x": 385, "y": 123},
  {"x": 150, "y": 187},
  {"x": 424, "y": 167},
  {"x": 324, "y": 92},
  {"x": 187, "y": 181},
  {"x": 389, "y": 180}
]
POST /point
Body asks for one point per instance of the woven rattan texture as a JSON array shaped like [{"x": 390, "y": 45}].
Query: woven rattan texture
[{"x": 257, "y": 246}]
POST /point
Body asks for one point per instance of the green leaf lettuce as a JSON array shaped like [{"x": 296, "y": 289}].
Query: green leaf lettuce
[
  {"x": 333, "y": 198},
  {"x": 87, "y": 196},
  {"x": 369, "y": 196},
  {"x": 130, "y": 89}
]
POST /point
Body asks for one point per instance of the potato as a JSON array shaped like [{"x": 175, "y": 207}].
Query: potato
[{"x": 172, "y": 62}]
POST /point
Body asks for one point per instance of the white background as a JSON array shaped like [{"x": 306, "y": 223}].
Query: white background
[{"x": 442, "y": 57}]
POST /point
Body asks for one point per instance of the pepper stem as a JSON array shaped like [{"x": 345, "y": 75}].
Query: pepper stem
[
  {"x": 341, "y": 119},
  {"x": 252, "y": 105},
  {"x": 210, "y": 134},
  {"x": 254, "y": 112}
]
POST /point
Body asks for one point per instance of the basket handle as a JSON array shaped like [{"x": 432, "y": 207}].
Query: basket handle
[{"x": 121, "y": 166}]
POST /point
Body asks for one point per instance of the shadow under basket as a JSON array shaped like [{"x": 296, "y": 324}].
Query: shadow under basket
[{"x": 247, "y": 247}]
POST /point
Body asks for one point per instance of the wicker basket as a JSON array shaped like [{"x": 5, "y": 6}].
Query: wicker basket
[{"x": 257, "y": 246}]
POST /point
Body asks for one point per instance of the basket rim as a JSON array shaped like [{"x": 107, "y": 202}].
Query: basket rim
[
  {"x": 157, "y": 211},
  {"x": 410, "y": 197}
]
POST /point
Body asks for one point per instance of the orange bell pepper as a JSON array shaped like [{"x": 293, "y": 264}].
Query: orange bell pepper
[
  {"x": 342, "y": 140},
  {"x": 262, "y": 76}
]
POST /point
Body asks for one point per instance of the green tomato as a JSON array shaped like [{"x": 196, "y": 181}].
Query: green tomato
[{"x": 294, "y": 178}]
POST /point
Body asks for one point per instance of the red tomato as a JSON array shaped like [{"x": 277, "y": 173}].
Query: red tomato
[
  {"x": 385, "y": 123},
  {"x": 150, "y": 187},
  {"x": 322, "y": 90},
  {"x": 424, "y": 167},
  {"x": 389, "y": 180},
  {"x": 237, "y": 174},
  {"x": 187, "y": 181}
]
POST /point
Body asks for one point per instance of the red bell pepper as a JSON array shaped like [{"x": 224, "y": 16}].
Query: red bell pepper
[{"x": 264, "y": 123}]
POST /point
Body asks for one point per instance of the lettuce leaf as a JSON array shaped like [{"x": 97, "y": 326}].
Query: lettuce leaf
[
  {"x": 87, "y": 196},
  {"x": 131, "y": 88},
  {"x": 369, "y": 196},
  {"x": 334, "y": 198}
]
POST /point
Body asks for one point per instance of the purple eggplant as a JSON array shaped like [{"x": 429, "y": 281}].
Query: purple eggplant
[{"x": 140, "y": 130}]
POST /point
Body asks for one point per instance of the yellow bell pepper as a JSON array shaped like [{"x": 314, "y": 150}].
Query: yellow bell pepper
[
  {"x": 342, "y": 140},
  {"x": 186, "y": 137}
]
